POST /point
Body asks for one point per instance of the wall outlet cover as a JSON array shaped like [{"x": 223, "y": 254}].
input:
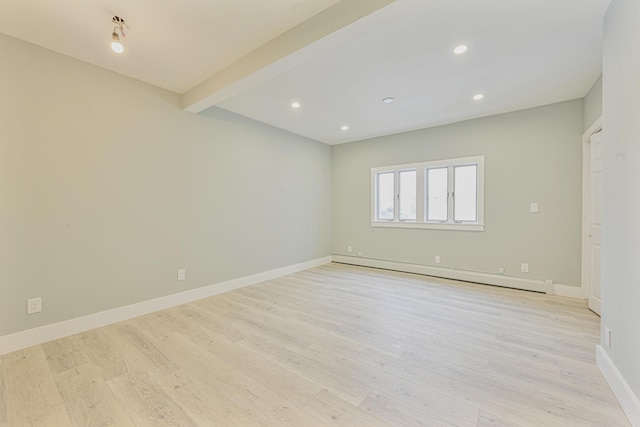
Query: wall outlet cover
[{"x": 34, "y": 305}]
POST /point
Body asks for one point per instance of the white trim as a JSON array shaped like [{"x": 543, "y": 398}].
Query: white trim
[
  {"x": 594, "y": 128},
  {"x": 459, "y": 161},
  {"x": 396, "y": 266},
  {"x": 627, "y": 399},
  {"x": 429, "y": 225},
  {"x": 595, "y": 304},
  {"x": 544, "y": 286},
  {"x": 421, "y": 176},
  {"x": 586, "y": 205},
  {"x": 31, "y": 337},
  {"x": 569, "y": 291}
]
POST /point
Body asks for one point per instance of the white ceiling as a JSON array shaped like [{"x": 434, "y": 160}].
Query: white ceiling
[
  {"x": 522, "y": 53},
  {"x": 174, "y": 44}
]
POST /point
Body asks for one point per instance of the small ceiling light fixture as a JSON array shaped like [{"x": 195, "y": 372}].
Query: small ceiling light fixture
[
  {"x": 345, "y": 128},
  {"x": 388, "y": 100},
  {"x": 295, "y": 105},
  {"x": 116, "y": 46},
  {"x": 478, "y": 97},
  {"x": 459, "y": 50}
]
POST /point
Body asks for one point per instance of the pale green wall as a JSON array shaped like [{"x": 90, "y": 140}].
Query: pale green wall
[
  {"x": 530, "y": 156},
  {"x": 593, "y": 104},
  {"x": 107, "y": 188},
  {"x": 621, "y": 198}
]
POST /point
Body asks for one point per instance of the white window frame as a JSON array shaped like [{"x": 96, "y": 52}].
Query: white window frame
[
  {"x": 421, "y": 199},
  {"x": 396, "y": 192}
]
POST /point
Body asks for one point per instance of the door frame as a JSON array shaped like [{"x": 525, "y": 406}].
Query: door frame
[{"x": 586, "y": 206}]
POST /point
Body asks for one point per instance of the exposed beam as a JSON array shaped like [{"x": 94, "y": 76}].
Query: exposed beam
[{"x": 280, "y": 54}]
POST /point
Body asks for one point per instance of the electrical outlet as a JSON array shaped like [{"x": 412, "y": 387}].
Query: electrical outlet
[
  {"x": 607, "y": 337},
  {"x": 349, "y": 249},
  {"x": 524, "y": 267},
  {"x": 437, "y": 259},
  {"x": 182, "y": 274},
  {"x": 535, "y": 207},
  {"x": 34, "y": 305},
  {"x": 501, "y": 270}
]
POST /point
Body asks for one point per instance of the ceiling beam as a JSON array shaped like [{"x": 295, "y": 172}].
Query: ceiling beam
[{"x": 280, "y": 54}]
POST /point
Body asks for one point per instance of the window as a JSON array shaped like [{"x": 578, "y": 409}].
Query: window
[
  {"x": 392, "y": 186},
  {"x": 386, "y": 192},
  {"x": 407, "y": 195},
  {"x": 437, "y": 194},
  {"x": 445, "y": 194},
  {"x": 465, "y": 191}
]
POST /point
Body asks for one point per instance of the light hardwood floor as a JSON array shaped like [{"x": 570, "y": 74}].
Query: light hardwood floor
[{"x": 335, "y": 345}]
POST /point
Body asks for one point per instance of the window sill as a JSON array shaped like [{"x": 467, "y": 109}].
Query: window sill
[{"x": 428, "y": 226}]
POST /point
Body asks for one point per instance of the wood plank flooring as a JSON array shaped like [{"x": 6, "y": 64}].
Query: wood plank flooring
[{"x": 332, "y": 346}]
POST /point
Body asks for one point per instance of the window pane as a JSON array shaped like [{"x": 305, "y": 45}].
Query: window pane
[
  {"x": 465, "y": 192},
  {"x": 407, "y": 189},
  {"x": 386, "y": 195},
  {"x": 437, "y": 209}
]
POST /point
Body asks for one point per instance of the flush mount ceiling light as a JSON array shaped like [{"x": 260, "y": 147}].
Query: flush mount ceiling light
[
  {"x": 345, "y": 128},
  {"x": 295, "y": 105},
  {"x": 118, "y": 32},
  {"x": 478, "y": 97},
  {"x": 459, "y": 50},
  {"x": 388, "y": 100}
]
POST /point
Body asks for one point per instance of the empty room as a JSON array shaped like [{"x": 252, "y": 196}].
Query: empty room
[{"x": 319, "y": 213}]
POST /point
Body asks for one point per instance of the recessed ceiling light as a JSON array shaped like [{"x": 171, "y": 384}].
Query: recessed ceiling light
[
  {"x": 478, "y": 97},
  {"x": 345, "y": 128},
  {"x": 388, "y": 100},
  {"x": 459, "y": 50},
  {"x": 295, "y": 105}
]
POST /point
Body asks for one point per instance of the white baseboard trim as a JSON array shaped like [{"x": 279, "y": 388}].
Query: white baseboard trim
[
  {"x": 543, "y": 286},
  {"x": 504, "y": 281},
  {"x": 569, "y": 291},
  {"x": 628, "y": 400},
  {"x": 35, "y": 336},
  {"x": 427, "y": 270}
]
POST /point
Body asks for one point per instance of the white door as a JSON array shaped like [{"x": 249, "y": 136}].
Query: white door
[{"x": 595, "y": 221}]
